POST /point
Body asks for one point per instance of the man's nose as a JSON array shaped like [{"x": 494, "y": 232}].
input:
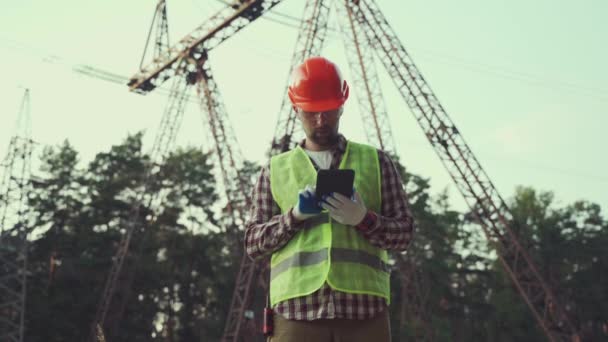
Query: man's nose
[{"x": 320, "y": 118}]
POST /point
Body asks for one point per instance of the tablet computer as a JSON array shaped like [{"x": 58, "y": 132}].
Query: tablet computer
[{"x": 340, "y": 181}]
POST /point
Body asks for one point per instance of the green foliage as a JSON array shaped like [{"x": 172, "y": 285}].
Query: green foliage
[
  {"x": 81, "y": 214},
  {"x": 568, "y": 245},
  {"x": 182, "y": 265},
  {"x": 467, "y": 293}
]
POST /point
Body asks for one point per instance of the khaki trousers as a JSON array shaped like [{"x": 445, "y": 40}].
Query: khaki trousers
[{"x": 376, "y": 329}]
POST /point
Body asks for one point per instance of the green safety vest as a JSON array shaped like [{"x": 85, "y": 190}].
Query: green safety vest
[{"x": 327, "y": 251}]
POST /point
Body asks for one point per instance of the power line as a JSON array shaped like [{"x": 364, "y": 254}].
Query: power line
[
  {"x": 477, "y": 67},
  {"x": 107, "y": 76},
  {"x": 527, "y": 78},
  {"x": 296, "y": 22},
  {"x": 494, "y": 70},
  {"x": 438, "y": 54},
  {"x": 499, "y": 71}
]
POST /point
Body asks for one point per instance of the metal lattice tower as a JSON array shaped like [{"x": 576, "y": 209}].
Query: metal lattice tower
[
  {"x": 212, "y": 32},
  {"x": 470, "y": 178},
  {"x": 163, "y": 143},
  {"x": 227, "y": 150},
  {"x": 230, "y": 159},
  {"x": 310, "y": 40},
  {"x": 160, "y": 29},
  {"x": 458, "y": 159},
  {"x": 365, "y": 81},
  {"x": 180, "y": 63},
  {"x": 311, "y": 36},
  {"x": 366, "y": 85},
  {"x": 14, "y": 229}
]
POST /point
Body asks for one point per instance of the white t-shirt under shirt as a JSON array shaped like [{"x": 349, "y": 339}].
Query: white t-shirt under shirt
[{"x": 321, "y": 158}]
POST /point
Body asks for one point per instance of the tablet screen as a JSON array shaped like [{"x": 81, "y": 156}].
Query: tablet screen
[{"x": 340, "y": 181}]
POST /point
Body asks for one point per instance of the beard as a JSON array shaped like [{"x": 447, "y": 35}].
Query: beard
[{"x": 324, "y": 136}]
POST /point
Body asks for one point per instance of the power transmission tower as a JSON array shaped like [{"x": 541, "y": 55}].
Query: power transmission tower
[
  {"x": 182, "y": 62},
  {"x": 479, "y": 192},
  {"x": 163, "y": 142},
  {"x": 309, "y": 42},
  {"x": 120, "y": 279},
  {"x": 366, "y": 84},
  {"x": 229, "y": 157},
  {"x": 482, "y": 197},
  {"x": 364, "y": 80},
  {"x": 14, "y": 228},
  {"x": 470, "y": 178}
]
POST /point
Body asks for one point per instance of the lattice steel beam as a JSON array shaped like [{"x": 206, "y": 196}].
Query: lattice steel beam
[
  {"x": 365, "y": 81},
  {"x": 160, "y": 29},
  {"x": 14, "y": 229},
  {"x": 163, "y": 143},
  {"x": 221, "y": 26},
  {"x": 178, "y": 60},
  {"x": 311, "y": 36},
  {"x": 376, "y": 125},
  {"x": 229, "y": 156}
]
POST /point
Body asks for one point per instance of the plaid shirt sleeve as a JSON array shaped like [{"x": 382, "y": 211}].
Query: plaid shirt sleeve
[
  {"x": 267, "y": 230},
  {"x": 393, "y": 228}
]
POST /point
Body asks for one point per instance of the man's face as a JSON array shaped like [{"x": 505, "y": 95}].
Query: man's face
[{"x": 321, "y": 127}]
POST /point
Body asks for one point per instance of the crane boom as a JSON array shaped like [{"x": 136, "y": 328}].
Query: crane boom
[{"x": 213, "y": 31}]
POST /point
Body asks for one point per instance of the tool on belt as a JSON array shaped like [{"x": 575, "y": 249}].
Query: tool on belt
[{"x": 268, "y": 326}]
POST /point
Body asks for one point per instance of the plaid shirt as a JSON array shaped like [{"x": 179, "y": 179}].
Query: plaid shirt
[{"x": 267, "y": 231}]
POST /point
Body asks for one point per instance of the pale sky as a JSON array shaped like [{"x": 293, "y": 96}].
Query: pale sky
[{"x": 524, "y": 82}]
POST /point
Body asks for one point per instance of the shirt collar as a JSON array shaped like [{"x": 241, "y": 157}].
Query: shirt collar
[{"x": 340, "y": 147}]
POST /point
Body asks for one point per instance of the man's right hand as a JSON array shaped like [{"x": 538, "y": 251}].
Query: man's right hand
[{"x": 307, "y": 205}]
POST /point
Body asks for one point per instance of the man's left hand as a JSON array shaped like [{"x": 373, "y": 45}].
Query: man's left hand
[{"x": 343, "y": 209}]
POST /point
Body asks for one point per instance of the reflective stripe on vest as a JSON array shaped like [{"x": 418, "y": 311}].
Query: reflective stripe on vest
[{"x": 337, "y": 255}]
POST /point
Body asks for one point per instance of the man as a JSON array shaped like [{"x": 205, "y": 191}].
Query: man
[{"x": 329, "y": 271}]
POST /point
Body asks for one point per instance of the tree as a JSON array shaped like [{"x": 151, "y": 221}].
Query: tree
[
  {"x": 80, "y": 216},
  {"x": 185, "y": 258}
]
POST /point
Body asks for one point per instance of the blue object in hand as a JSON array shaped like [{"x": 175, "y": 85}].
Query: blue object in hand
[{"x": 307, "y": 203}]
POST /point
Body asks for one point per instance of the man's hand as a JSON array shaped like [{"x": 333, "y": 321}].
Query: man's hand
[
  {"x": 307, "y": 206},
  {"x": 344, "y": 210}
]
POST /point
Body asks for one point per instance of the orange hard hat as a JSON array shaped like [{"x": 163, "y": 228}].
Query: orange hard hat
[{"x": 317, "y": 86}]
